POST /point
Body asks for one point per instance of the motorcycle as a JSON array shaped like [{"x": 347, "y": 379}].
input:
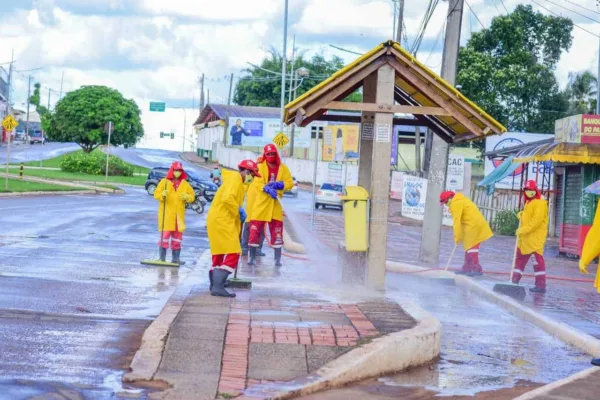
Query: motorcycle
[
  {"x": 198, "y": 204},
  {"x": 217, "y": 181}
]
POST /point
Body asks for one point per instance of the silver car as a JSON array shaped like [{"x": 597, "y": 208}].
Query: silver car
[{"x": 329, "y": 195}]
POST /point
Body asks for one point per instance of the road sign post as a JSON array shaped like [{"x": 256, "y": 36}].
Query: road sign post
[
  {"x": 109, "y": 127},
  {"x": 9, "y": 123},
  {"x": 157, "y": 106}
]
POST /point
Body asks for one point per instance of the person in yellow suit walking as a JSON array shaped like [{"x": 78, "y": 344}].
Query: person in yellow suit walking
[
  {"x": 251, "y": 194},
  {"x": 532, "y": 236},
  {"x": 275, "y": 180},
  {"x": 173, "y": 192},
  {"x": 589, "y": 252},
  {"x": 223, "y": 224},
  {"x": 470, "y": 229}
]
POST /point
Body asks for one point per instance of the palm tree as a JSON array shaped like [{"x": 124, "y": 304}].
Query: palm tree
[{"x": 582, "y": 89}]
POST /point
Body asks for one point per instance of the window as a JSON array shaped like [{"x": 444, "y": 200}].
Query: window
[
  {"x": 314, "y": 130},
  {"x": 331, "y": 186}
]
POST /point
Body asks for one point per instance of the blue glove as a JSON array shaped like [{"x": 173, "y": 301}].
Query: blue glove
[
  {"x": 243, "y": 215},
  {"x": 268, "y": 189},
  {"x": 277, "y": 185}
]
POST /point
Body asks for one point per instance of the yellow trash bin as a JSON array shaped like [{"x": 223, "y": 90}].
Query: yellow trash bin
[{"x": 356, "y": 217}]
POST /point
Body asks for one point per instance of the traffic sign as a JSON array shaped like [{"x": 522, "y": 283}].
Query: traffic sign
[
  {"x": 281, "y": 140},
  {"x": 9, "y": 123},
  {"x": 157, "y": 106}
]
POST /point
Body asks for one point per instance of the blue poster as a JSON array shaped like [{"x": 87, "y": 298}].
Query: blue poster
[
  {"x": 254, "y": 128},
  {"x": 394, "y": 159}
]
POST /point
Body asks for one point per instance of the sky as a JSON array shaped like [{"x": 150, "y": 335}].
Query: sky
[{"x": 155, "y": 50}]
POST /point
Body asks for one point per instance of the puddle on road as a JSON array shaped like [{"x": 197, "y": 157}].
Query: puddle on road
[{"x": 484, "y": 348}]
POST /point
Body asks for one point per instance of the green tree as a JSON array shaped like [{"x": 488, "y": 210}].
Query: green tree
[
  {"x": 44, "y": 113},
  {"x": 508, "y": 69},
  {"x": 581, "y": 90},
  {"x": 262, "y": 86},
  {"x": 81, "y": 117}
]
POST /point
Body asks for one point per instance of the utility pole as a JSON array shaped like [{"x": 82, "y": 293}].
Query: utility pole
[
  {"x": 49, "y": 94},
  {"x": 230, "y": 89},
  {"x": 9, "y": 112},
  {"x": 400, "y": 21},
  {"x": 438, "y": 163},
  {"x": 292, "y": 84},
  {"x": 202, "y": 92},
  {"x": 283, "y": 60},
  {"x": 28, "y": 98},
  {"x": 110, "y": 129},
  {"x": 598, "y": 76},
  {"x": 61, "y": 85},
  {"x": 207, "y": 96}
]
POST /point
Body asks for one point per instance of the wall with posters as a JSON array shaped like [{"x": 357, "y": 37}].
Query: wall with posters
[
  {"x": 510, "y": 139},
  {"x": 261, "y": 131},
  {"x": 340, "y": 143},
  {"x": 582, "y": 128},
  {"x": 413, "y": 199}
]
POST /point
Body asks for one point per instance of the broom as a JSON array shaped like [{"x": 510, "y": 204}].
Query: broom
[
  {"x": 511, "y": 289},
  {"x": 235, "y": 282},
  {"x": 158, "y": 262}
]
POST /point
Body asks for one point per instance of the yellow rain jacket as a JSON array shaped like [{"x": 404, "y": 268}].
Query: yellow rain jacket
[
  {"x": 223, "y": 223},
  {"x": 175, "y": 206},
  {"x": 470, "y": 227},
  {"x": 591, "y": 247},
  {"x": 534, "y": 227},
  {"x": 251, "y": 194},
  {"x": 261, "y": 206}
]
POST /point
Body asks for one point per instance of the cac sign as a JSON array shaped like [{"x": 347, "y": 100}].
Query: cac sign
[{"x": 455, "y": 177}]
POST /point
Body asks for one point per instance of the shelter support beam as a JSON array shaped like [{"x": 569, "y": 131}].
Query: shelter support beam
[
  {"x": 380, "y": 181},
  {"x": 366, "y": 137}
]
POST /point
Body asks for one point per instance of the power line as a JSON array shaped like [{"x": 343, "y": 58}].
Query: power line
[
  {"x": 480, "y": 23},
  {"x": 585, "y": 8},
  {"x": 503, "y": 5},
  {"x": 575, "y": 25},
  {"x": 496, "y": 6},
  {"x": 346, "y": 50},
  {"x": 573, "y": 11}
]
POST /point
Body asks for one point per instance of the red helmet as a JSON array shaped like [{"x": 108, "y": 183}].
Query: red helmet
[
  {"x": 177, "y": 166},
  {"x": 250, "y": 166},
  {"x": 530, "y": 185},
  {"x": 445, "y": 196}
]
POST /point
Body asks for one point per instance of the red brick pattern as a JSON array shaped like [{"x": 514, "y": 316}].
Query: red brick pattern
[
  {"x": 235, "y": 355},
  {"x": 362, "y": 324}
]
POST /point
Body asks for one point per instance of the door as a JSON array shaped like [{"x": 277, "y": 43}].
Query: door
[{"x": 569, "y": 239}]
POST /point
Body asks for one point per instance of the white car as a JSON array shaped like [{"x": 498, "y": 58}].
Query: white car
[
  {"x": 329, "y": 195},
  {"x": 293, "y": 191}
]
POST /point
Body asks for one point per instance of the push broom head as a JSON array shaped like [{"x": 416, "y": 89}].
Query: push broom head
[
  {"x": 159, "y": 263},
  {"x": 236, "y": 283},
  {"x": 510, "y": 289}
]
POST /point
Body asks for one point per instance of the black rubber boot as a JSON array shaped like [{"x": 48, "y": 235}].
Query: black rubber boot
[
  {"x": 596, "y": 362},
  {"x": 244, "y": 251},
  {"x": 278, "y": 257},
  {"x": 252, "y": 255},
  {"x": 162, "y": 254},
  {"x": 259, "y": 252},
  {"x": 219, "y": 279},
  {"x": 176, "y": 259},
  {"x": 537, "y": 290},
  {"x": 210, "y": 278}
]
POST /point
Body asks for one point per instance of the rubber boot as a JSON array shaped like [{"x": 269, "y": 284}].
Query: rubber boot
[
  {"x": 278, "y": 257},
  {"x": 219, "y": 279},
  {"x": 537, "y": 290},
  {"x": 210, "y": 278},
  {"x": 596, "y": 362},
  {"x": 176, "y": 259},
  {"x": 259, "y": 252},
  {"x": 162, "y": 254},
  {"x": 252, "y": 255},
  {"x": 244, "y": 251}
]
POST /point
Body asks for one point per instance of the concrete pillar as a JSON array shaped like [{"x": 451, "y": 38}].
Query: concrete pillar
[
  {"x": 380, "y": 180},
  {"x": 366, "y": 136}
]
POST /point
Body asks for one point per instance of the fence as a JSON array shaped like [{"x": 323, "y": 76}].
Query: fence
[{"x": 501, "y": 199}]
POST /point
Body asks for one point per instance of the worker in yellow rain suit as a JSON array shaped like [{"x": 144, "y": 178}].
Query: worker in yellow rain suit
[
  {"x": 591, "y": 250},
  {"x": 470, "y": 229},
  {"x": 175, "y": 191},
  {"x": 223, "y": 225},
  {"x": 532, "y": 236},
  {"x": 251, "y": 194},
  {"x": 275, "y": 180}
]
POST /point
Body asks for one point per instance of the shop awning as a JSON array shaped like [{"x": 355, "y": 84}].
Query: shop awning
[{"x": 560, "y": 152}]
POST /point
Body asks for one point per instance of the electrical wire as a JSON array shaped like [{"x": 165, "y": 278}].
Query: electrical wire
[
  {"x": 346, "y": 50},
  {"x": 573, "y": 11},
  {"x": 575, "y": 25},
  {"x": 503, "y": 5},
  {"x": 480, "y": 23},
  {"x": 580, "y": 6}
]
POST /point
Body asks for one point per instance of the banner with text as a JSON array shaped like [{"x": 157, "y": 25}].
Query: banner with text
[
  {"x": 340, "y": 143},
  {"x": 413, "y": 200},
  {"x": 261, "y": 131}
]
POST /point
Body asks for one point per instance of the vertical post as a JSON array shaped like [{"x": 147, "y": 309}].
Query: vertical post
[
  {"x": 184, "y": 128},
  {"x": 9, "y": 134},
  {"x": 418, "y": 150},
  {"x": 380, "y": 179},
  {"x": 598, "y": 82},
  {"x": 21, "y": 171},
  {"x": 283, "y": 60},
  {"x": 400, "y": 21},
  {"x": 230, "y": 89},
  {"x": 202, "y": 92},
  {"x": 61, "y": 85},
  {"x": 366, "y": 135},
  {"x": 110, "y": 128},
  {"x": 292, "y": 84},
  {"x": 438, "y": 163},
  {"x": 49, "y": 95},
  {"x": 314, "y": 182},
  {"x": 27, "y": 121}
]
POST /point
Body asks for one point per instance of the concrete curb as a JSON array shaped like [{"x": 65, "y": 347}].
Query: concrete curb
[
  {"x": 64, "y": 183},
  {"x": 147, "y": 359},
  {"x": 391, "y": 353},
  {"x": 57, "y": 193},
  {"x": 562, "y": 331},
  {"x": 544, "y": 390}
]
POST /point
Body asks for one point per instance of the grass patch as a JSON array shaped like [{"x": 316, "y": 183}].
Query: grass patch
[
  {"x": 55, "y": 162},
  {"x": 19, "y": 186},
  {"x": 68, "y": 176}
]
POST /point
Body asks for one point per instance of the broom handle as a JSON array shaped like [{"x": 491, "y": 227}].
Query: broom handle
[
  {"x": 162, "y": 226},
  {"x": 514, "y": 260},
  {"x": 451, "y": 256},
  {"x": 240, "y": 259}
]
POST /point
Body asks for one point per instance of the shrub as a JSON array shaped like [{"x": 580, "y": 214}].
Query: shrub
[
  {"x": 94, "y": 163},
  {"x": 506, "y": 222}
]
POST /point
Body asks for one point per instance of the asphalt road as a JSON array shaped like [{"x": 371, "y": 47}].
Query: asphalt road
[
  {"x": 24, "y": 152},
  {"x": 74, "y": 299}
]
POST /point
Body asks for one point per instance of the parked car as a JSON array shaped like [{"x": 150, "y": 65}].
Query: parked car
[
  {"x": 202, "y": 187},
  {"x": 293, "y": 191},
  {"x": 329, "y": 195},
  {"x": 36, "y": 137}
]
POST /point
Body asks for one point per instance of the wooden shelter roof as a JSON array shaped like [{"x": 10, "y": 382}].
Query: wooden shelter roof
[{"x": 418, "y": 91}]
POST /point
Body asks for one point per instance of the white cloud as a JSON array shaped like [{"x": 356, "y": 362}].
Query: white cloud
[{"x": 231, "y": 10}]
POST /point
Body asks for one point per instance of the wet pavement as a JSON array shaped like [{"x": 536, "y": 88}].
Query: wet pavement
[
  {"x": 151, "y": 158},
  {"x": 24, "y": 152},
  {"x": 74, "y": 300}
]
